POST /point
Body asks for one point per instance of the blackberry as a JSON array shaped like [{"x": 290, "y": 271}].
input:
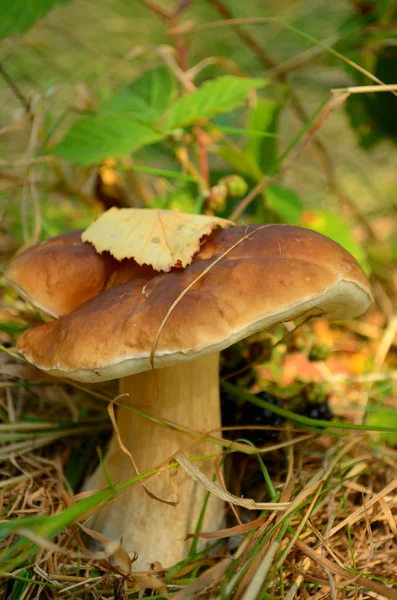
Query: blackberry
[
  {"x": 317, "y": 410},
  {"x": 256, "y": 415},
  {"x": 229, "y": 411}
]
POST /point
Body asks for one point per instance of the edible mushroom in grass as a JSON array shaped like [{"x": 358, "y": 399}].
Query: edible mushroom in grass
[
  {"x": 242, "y": 280},
  {"x": 59, "y": 274}
]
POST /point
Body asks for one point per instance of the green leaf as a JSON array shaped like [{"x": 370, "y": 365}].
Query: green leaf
[
  {"x": 338, "y": 230},
  {"x": 18, "y": 15},
  {"x": 285, "y": 202},
  {"x": 263, "y": 117},
  {"x": 124, "y": 123},
  {"x": 220, "y": 95},
  {"x": 146, "y": 99},
  {"x": 242, "y": 162},
  {"x": 91, "y": 139}
]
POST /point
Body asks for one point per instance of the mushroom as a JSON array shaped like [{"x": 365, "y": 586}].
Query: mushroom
[
  {"x": 161, "y": 335},
  {"x": 59, "y": 274}
]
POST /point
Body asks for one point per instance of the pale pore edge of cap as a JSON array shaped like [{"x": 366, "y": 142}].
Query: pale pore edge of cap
[
  {"x": 332, "y": 308},
  {"x": 34, "y": 304}
]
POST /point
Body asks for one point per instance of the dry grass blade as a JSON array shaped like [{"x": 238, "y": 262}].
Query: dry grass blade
[
  {"x": 386, "y": 342},
  {"x": 12, "y": 481},
  {"x": 389, "y": 516},
  {"x": 366, "y": 583},
  {"x": 216, "y": 489},
  {"x": 258, "y": 579},
  {"x": 225, "y": 533},
  {"x": 263, "y": 20},
  {"x": 360, "y": 513},
  {"x": 299, "y": 529},
  {"x": 32, "y": 444},
  {"x": 206, "y": 581},
  {"x": 304, "y": 566}
]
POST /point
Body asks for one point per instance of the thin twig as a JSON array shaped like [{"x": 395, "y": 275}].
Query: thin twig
[
  {"x": 319, "y": 150},
  {"x": 154, "y": 7},
  {"x": 13, "y": 86}
]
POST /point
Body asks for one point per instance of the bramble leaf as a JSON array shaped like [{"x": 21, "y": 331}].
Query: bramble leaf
[
  {"x": 124, "y": 123},
  {"x": 91, "y": 139},
  {"x": 214, "y": 97},
  {"x": 146, "y": 99},
  {"x": 18, "y": 16}
]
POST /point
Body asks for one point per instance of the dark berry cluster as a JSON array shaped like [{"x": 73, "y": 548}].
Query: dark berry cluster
[
  {"x": 317, "y": 410},
  {"x": 256, "y": 415},
  {"x": 313, "y": 402},
  {"x": 246, "y": 413}
]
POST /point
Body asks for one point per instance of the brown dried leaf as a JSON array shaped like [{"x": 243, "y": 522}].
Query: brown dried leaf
[
  {"x": 115, "y": 554},
  {"x": 224, "y": 533}
]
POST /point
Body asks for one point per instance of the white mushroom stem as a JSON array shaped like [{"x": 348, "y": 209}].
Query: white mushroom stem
[{"x": 186, "y": 394}]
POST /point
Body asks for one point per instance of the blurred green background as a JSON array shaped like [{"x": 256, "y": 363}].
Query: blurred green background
[{"x": 74, "y": 59}]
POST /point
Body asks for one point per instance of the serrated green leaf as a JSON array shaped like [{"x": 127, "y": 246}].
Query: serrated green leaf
[
  {"x": 284, "y": 202},
  {"x": 18, "y": 15},
  {"x": 146, "y": 99},
  {"x": 124, "y": 123},
  {"x": 263, "y": 117},
  {"x": 220, "y": 95},
  {"x": 92, "y": 139},
  {"x": 337, "y": 229}
]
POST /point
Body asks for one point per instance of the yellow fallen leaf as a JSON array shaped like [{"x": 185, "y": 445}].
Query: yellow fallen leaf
[{"x": 160, "y": 238}]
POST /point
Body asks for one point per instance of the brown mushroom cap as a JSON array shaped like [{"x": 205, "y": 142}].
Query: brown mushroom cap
[
  {"x": 59, "y": 274},
  {"x": 274, "y": 273}
]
